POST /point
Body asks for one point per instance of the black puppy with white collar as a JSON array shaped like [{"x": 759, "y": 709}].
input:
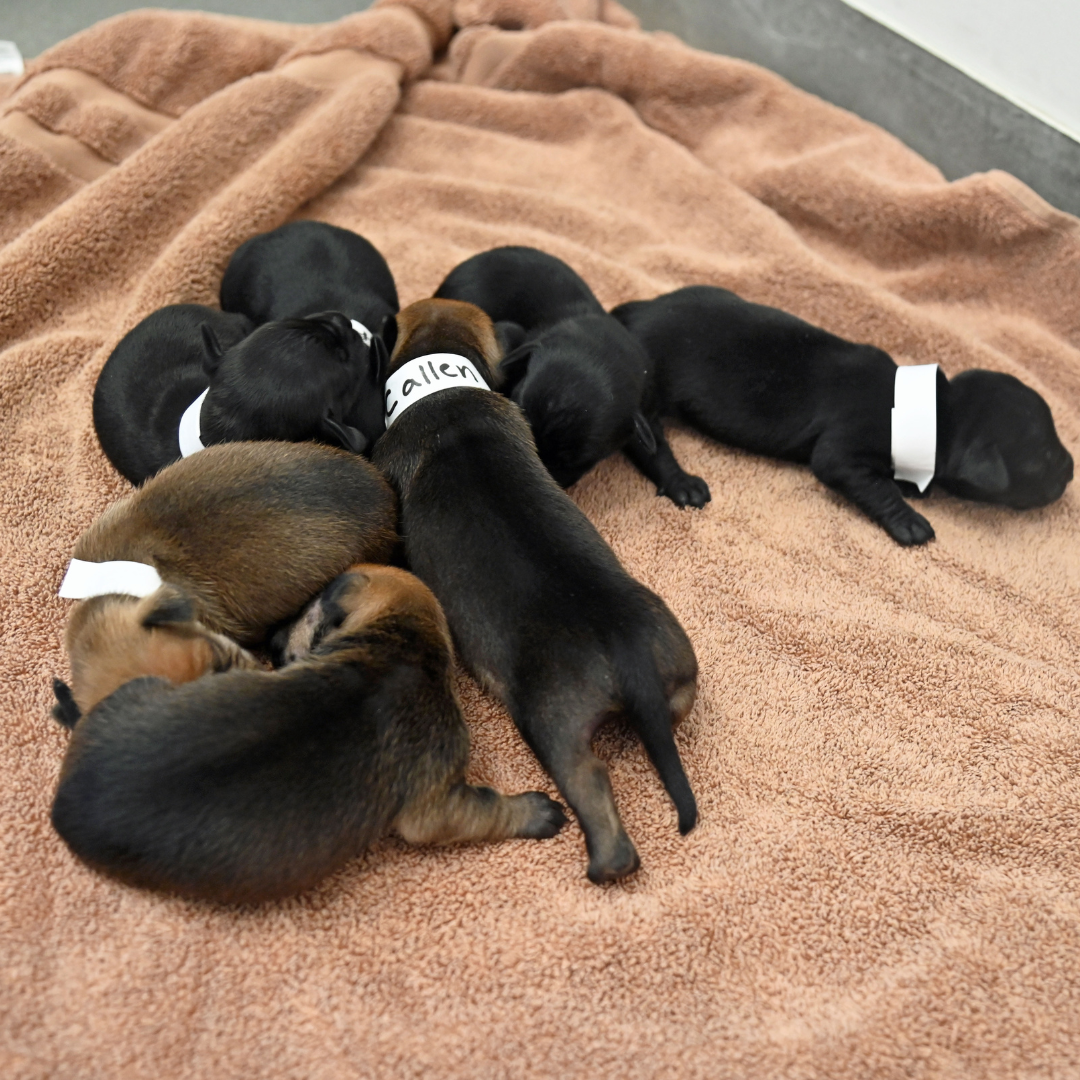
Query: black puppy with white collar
[
  {"x": 575, "y": 372},
  {"x": 763, "y": 380},
  {"x": 189, "y": 376}
]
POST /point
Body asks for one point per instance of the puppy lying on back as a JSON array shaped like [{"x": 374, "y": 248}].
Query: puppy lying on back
[
  {"x": 540, "y": 609},
  {"x": 763, "y": 380},
  {"x": 253, "y": 785},
  {"x": 235, "y": 540},
  {"x": 188, "y": 377},
  {"x": 576, "y": 373}
]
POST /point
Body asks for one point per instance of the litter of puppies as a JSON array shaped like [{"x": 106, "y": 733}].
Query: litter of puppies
[{"x": 196, "y": 767}]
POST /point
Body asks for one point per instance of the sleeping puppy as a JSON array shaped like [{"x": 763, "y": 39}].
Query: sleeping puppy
[
  {"x": 758, "y": 378},
  {"x": 244, "y": 533},
  {"x": 188, "y": 377},
  {"x": 249, "y": 786},
  {"x": 576, "y": 373},
  {"x": 540, "y": 609},
  {"x": 305, "y": 267}
]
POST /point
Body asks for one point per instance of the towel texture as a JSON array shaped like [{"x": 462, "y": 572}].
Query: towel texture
[{"x": 884, "y": 881}]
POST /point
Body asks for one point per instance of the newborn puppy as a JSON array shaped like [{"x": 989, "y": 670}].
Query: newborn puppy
[
  {"x": 305, "y": 267},
  {"x": 236, "y": 540},
  {"x": 153, "y": 375},
  {"x": 188, "y": 377},
  {"x": 758, "y": 378},
  {"x": 541, "y": 610},
  {"x": 576, "y": 373},
  {"x": 249, "y": 786}
]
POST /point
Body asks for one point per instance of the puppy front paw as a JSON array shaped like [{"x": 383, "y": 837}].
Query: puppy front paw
[
  {"x": 542, "y": 817},
  {"x": 910, "y": 529},
  {"x": 686, "y": 490}
]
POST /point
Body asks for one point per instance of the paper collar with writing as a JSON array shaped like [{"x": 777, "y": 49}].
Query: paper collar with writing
[
  {"x": 914, "y": 424},
  {"x": 425, "y": 375},
  {"x": 190, "y": 433},
  {"x": 86, "y": 579},
  {"x": 365, "y": 334}
]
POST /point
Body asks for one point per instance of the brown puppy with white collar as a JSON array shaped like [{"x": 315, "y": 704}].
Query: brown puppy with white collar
[
  {"x": 540, "y": 608},
  {"x": 242, "y": 536},
  {"x": 249, "y": 786}
]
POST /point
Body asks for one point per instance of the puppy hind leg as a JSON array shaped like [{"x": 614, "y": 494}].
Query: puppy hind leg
[
  {"x": 659, "y": 466},
  {"x": 875, "y": 495},
  {"x": 463, "y": 813},
  {"x": 584, "y": 782}
]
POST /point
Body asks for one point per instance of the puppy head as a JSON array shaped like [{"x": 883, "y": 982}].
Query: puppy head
[
  {"x": 580, "y": 384},
  {"x": 296, "y": 380},
  {"x": 362, "y": 595},
  {"x": 431, "y": 326},
  {"x": 113, "y": 639},
  {"x": 1001, "y": 444}
]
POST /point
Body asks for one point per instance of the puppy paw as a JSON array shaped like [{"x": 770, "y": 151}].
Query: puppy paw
[
  {"x": 687, "y": 490},
  {"x": 910, "y": 530},
  {"x": 620, "y": 863},
  {"x": 542, "y": 816}
]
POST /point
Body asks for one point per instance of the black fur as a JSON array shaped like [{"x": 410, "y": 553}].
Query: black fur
[
  {"x": 758, "y": 378},
  {"x": 154, "y": 373},
  {"x": 65, "y": 711},
  {"x": 540, "y": 608},
  {"x": 305, "y": 267},
  {"x": 575, "y": 372}
]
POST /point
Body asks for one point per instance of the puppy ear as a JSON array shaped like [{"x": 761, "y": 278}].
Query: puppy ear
[
  {"x": 342, "y": 435},
  {"x": 509, "y": 335},
  {"x": 65, "y": 711},
  {"x": 644, "y": 432},
  {"x": 212, "y": 348},
  {"x": 378, "y": 360},
  {"x": 389, "y": 333},
  {"x": 514, "y": 366},
  {"x": 169, "y": 607},
  {"x": 981, "y": 470}
]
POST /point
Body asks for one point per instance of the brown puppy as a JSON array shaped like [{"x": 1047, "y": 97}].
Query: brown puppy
[
  {"x": 241, "y": 535},
  {"x": 249, "y": 786},
  {"x": 541, "y": 610}
]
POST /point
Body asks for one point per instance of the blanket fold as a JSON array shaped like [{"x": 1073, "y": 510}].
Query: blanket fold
[{"x": 883, "y": 881}]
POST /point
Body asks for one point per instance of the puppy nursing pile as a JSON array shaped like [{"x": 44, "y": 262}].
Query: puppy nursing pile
[{"x": 196, "y": 767}]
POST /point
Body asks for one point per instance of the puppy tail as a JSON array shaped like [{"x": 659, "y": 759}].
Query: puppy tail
[{"x": 649, "y": 712}]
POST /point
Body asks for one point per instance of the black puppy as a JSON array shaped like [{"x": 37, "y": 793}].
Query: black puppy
[
  {"x": 246, "y": 786},
  {"x": 541, "y": 610},
  {"x": 189, "y": 376},
  {"x": 576, "y": 373},
  {"x": 758, "y": 378},
  {"x": 305, "y": 267}
]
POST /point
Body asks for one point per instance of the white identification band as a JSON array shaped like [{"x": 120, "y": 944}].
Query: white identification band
[
  {"x": 428, "y": 375},
  {"x": 914, "y": 424},
  {"x": 86, "y": 579},
  {"x": 190, "y": 433},
  {"x": 363, "y": 331}
]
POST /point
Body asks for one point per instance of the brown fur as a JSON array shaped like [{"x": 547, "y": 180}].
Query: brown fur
[
  {"x": 247, "y": 532},
  {"x": 541, "y": 610},
  {"x": 248, "y": 786}
]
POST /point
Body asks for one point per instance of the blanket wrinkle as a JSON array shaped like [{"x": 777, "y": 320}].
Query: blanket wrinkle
[{"x": 883, "y": 881}]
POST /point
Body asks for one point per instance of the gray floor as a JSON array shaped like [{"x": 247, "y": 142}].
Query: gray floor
[{"x": 821, "y": 45}]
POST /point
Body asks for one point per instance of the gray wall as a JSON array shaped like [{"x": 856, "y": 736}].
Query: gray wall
[{"x": 833, "y": 51}]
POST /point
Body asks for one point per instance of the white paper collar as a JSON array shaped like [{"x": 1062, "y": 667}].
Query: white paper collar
[
  {"x": 363, "y": 331},
  {"x": 426, "y": 375},
  {"x": 190, "y": 433},
  {"x": 86, "y": 579},
  {"x": 914, "y": 424}
]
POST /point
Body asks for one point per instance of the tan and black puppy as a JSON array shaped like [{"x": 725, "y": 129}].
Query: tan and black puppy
[
  {"x": 248, "y": 786},
  {"x": 540, "y": 608},
  {"x": 242, "y": 536}
]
